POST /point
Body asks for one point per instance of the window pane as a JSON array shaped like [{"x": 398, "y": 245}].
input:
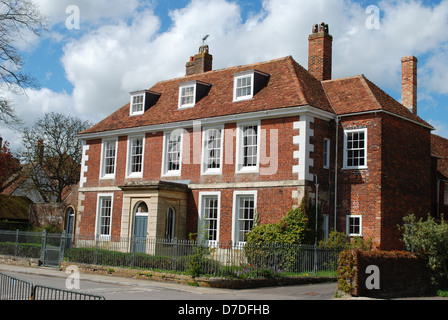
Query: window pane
[
  {"x": 210, "y": 216},
  {"x": 246, "y": 210},
  {"x": 104, "y": 216},
  {"x": 137, "y": 103},
  {"x": 109, "y": 157},
  {"x": 250, "y": 146},
  {"x": 173, "y": 152},
  {"x": 187, "y": 95},
  {"x": 356, "y": 149},
  {"x": 213, "y": 149},
  {"x": 136, "y": 155},
  {"x": 244, "y": 87}
]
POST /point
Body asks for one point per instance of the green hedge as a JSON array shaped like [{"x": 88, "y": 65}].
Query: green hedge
[
  {"x": 29, "y": 250},
  {"x": 401, "y": 273}
]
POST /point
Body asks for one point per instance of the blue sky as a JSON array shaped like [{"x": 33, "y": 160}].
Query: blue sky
[{"x": 122, "y": 46}]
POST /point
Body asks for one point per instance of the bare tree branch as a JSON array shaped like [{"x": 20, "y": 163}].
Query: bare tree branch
[{"x": 16, "y": 18}]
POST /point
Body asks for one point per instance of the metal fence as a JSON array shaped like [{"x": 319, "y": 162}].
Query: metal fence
[
  {"x": 14, "y": 289},
  {"x": 188, "y": 256},
  {"x": 17, "y": 289}
]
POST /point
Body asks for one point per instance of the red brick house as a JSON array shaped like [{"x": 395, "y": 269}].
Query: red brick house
[{"x": 208, "y": 152}]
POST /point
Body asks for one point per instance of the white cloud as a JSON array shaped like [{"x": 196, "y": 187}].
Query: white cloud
[{"x": 122, "y": 48}]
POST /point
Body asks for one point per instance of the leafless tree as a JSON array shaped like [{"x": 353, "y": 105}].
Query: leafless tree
[
  {"x": 17, "y": 18},
  {"x": 54, "y": 154}
]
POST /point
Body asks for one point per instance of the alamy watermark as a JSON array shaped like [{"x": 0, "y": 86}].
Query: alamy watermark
[
  {"x": 373, "y": 280},
  {"x": 74, "y": 19},
  {"x": 72, "y": 282},
  {"x": 373, "y": 20}
]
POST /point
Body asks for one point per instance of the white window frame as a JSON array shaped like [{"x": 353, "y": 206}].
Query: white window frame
[
  {"x": 139, "y": 112},
  {"x": 103, "y": 174},
  {"x": 129, "y": 173},
  {"x": 165, "y": 157},
  {"x": 240, "y": 76},
  {"x": 100, "y": 197},
  {"x": 326, "y": 154},
  {"x": 348, "y": 217},
  {"x": 201, "y": 217},
  {"x": 183, "y": 86},
  {"x": 205, "y": 154},
  {"x": 235, "y": 215},
  {"x": 239, "y": 166},
  {"x": 346, "y": 133}
]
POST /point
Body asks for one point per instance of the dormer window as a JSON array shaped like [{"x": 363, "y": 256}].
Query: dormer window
[
  {"x": 243, "y": 87},
  {"x": 187, "y": 95},
  {"x": 192, "y": 92},
  {"x": 248, "y": 83},
  {"x": 142, "y": 101},
  {"x": 137, "y": 103}
]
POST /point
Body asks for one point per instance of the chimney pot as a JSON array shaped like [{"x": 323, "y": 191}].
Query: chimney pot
[
  {"x": 201, "y": 62},
  {"x": 320, "y": 52},
  {"x": 409, "y": 83}
]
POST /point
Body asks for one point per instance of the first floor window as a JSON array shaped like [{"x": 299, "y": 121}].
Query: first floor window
[
  {"x": 248, "y": 145},
  {"x": 354, "y": 225},
  {"x": 135, "y": 156},
  {"x": 212, "y": 156},
  {"x": 355, "y": 149},
  {"x": 104, "y": 216},
  {"x": 109, "y": 155},
  {"x": 209, "y": 223},
  {"x": 173, "y": 142},
  {"x": 245, "y": 207}
]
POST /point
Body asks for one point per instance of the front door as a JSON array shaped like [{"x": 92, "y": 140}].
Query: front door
[{"x": 140, "y": 227}]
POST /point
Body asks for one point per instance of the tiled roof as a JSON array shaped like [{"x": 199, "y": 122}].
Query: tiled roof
[
  {"x": 289, "y": 85},
  {"x": 439, "y": 148},
  {"x": 358, "y": 94}
]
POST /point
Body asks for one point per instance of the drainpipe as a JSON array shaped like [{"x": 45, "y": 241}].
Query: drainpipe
[{"x": 336, "y": 170}]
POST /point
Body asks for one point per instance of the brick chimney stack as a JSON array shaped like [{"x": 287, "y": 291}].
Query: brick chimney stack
[
  {"x": 320, "y": 52},
  {"x": 201, "y": 62},
  {"x": 409, "y": 83}
]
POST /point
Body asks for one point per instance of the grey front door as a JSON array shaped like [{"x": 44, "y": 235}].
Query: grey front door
[{"x": 140, "y": 227}]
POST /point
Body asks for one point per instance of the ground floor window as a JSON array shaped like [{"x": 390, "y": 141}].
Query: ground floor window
[
  {"x": 209, "y": 217},
  {"x": 354, "y": 225},
  {"x": 104, "y": 216},
  {"x": 244, "y": 210}
]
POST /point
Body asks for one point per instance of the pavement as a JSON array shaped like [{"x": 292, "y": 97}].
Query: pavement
[{"x": 317, "y": 291}]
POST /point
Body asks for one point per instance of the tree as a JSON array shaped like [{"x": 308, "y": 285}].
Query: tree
[
  {"x": 54, "y": 153},
  {"x": 17, "y": 18},
  {"x": 8, "y": 163}
]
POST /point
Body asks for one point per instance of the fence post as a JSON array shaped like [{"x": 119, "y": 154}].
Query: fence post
[
  {"x": 95, "y": 260},
  {"x": 16, "y": 251},
  {"x": 44, "y": 246},
  {"x": 62, "y": 246}
]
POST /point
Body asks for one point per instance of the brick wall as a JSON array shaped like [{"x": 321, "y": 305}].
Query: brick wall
[{"x": 406, "y": 176}]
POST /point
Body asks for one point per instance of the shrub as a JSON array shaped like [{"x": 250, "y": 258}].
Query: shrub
[
  {"x": 338, "y": 240},
  {"x": 429, "y": 239}
]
